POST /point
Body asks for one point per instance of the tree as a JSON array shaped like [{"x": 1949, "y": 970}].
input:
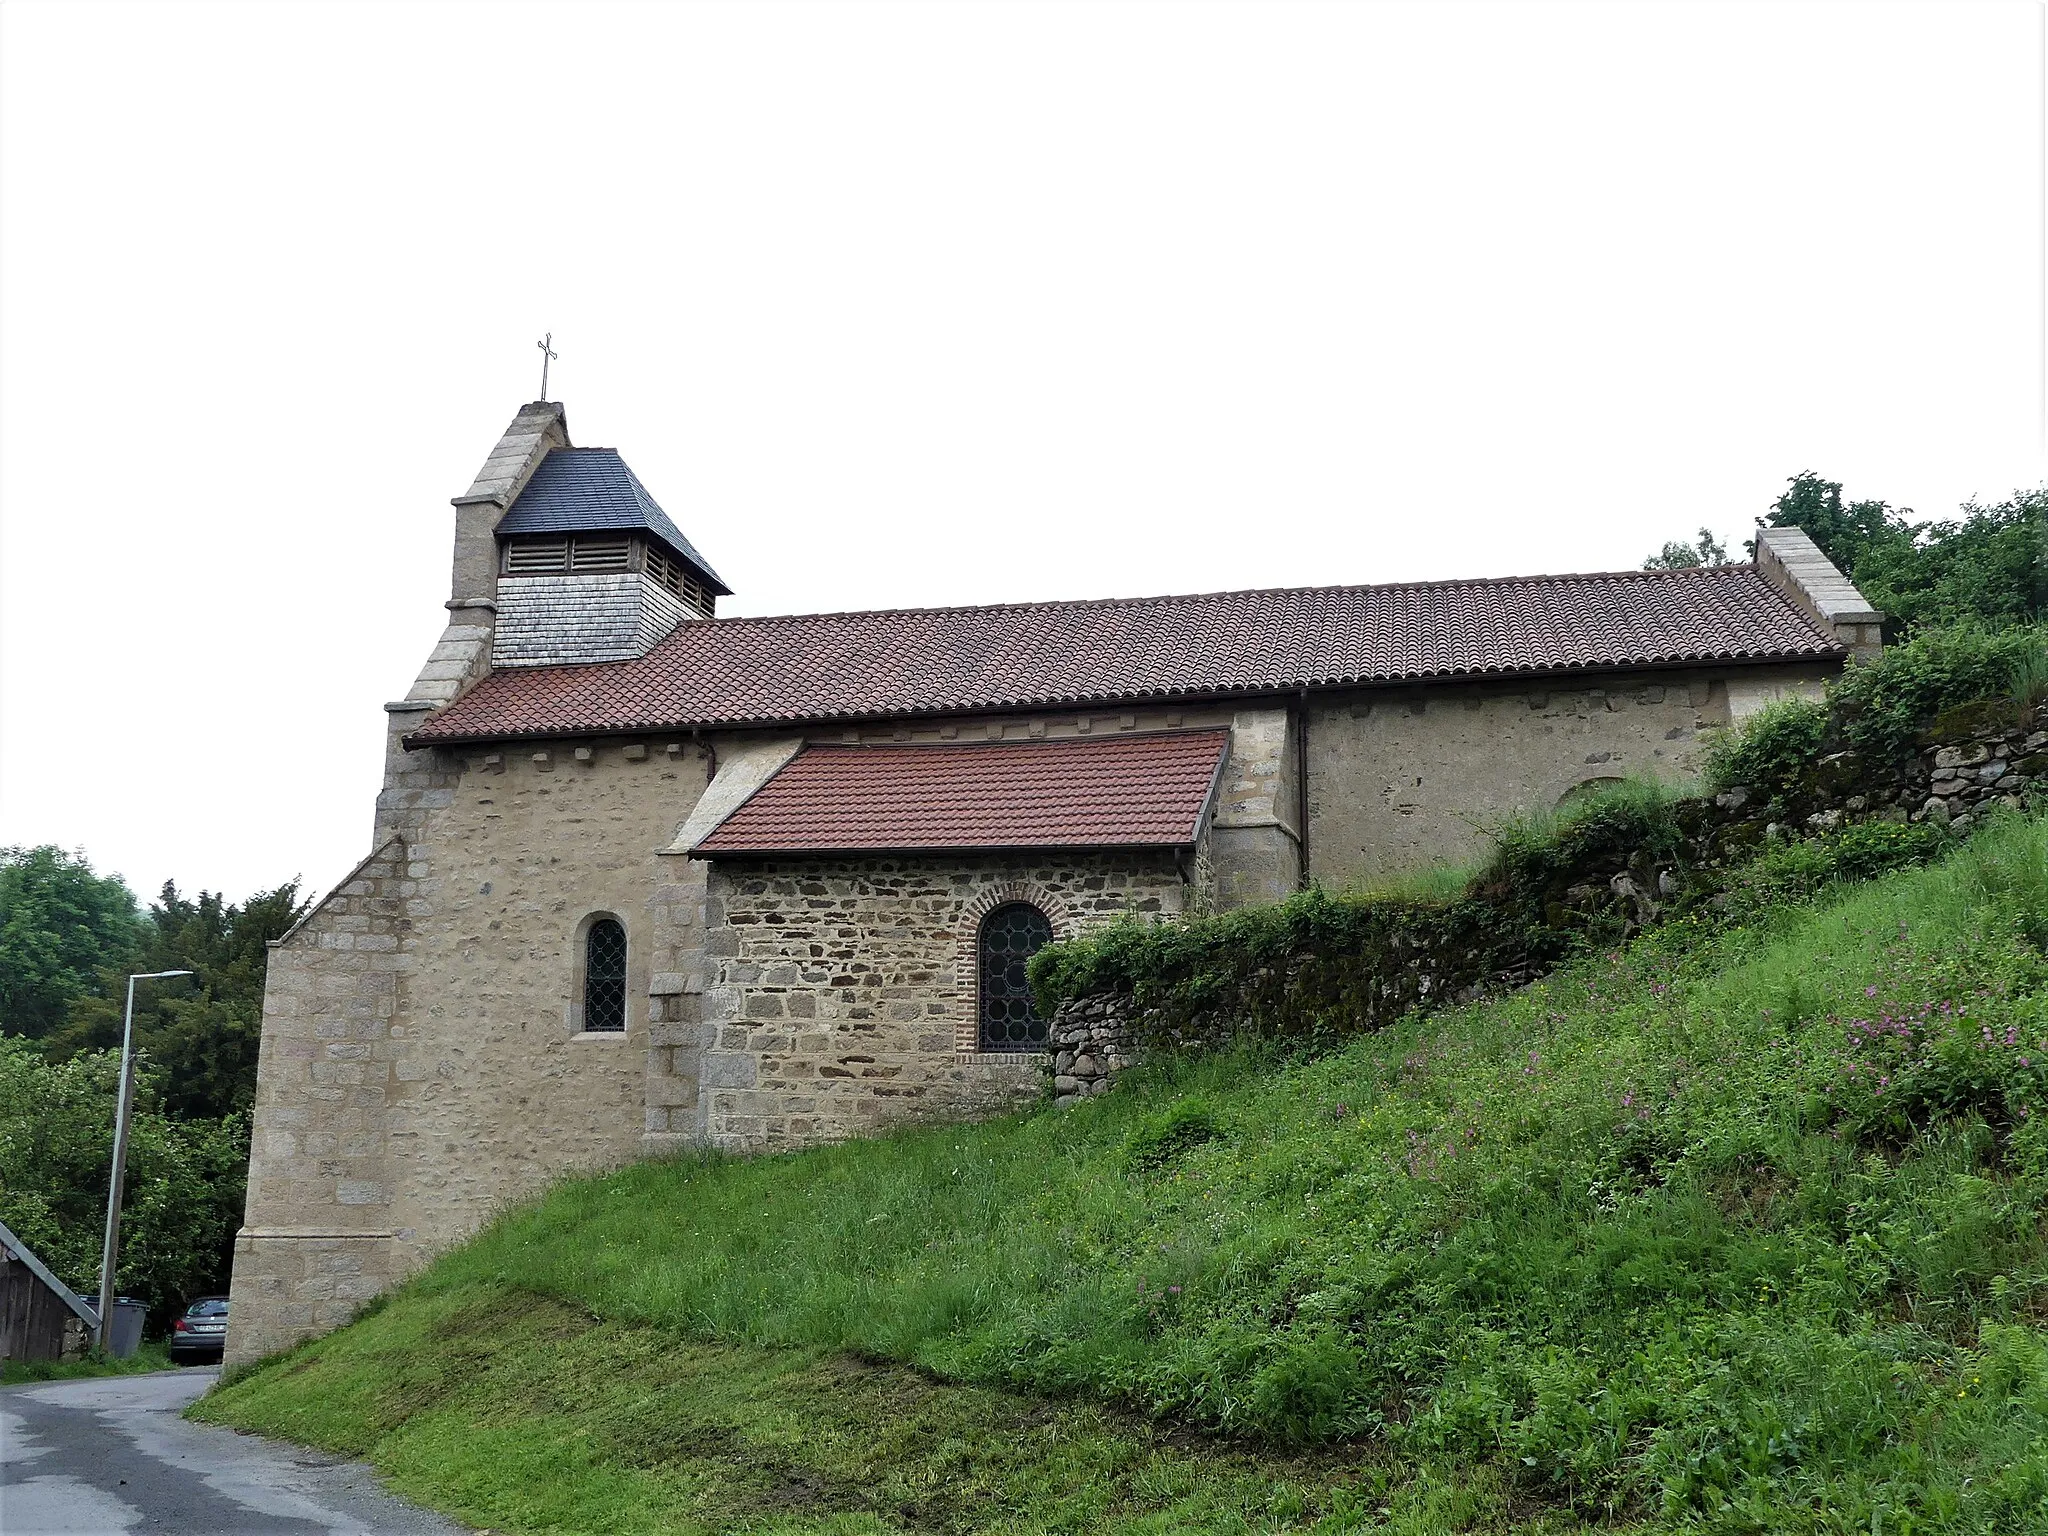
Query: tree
[
  {"x": 1988, "y": 566},
  {"x": 202, "y": 1034},
  {"x": 68, "y": 941},
  {"x": 1844, "y": 531},
  {"x": 182, "y": 1200},
  {"x": 1678, "y": 556},
  {"x": 61, "y": 926}
]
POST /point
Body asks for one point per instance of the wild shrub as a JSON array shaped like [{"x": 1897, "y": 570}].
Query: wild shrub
[
  {"x": 1881, "y": 709},
  {"x": 1806, "y": 867},
  {"x": 2030, "y": 676},
  {"x": 1322, "y": 965},
  {"x": 1772, "y": 751}
]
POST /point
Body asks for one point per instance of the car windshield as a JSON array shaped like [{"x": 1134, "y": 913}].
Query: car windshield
[{"x": 211, "y": 1308}]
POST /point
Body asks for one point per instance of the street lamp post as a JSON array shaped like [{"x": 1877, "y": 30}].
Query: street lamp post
[{"x": 114, "y": 1182}]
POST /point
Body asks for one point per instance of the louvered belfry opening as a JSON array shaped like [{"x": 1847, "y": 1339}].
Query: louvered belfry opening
[
  {"x": 604, "y": 977},
  {"x": 583, "y": 512},
  {"x": 601, "y": 596},
  {"x": 1010, "y": 936},
  {"x": 675, "y": 577},
  {"x": 570, "y": 553},
  {"x": 592, "y": 554}
]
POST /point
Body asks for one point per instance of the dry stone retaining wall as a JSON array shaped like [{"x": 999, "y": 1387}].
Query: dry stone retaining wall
[{"x": 1991, "y": 756}]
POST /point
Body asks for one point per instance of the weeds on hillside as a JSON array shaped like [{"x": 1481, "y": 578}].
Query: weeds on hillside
[
  {"x": 1802, "y": 870},
  {"x": 1533, "y": 847},
  {"x": 1880, "y": 709},
  {"x": 1739, "y": 1228}
]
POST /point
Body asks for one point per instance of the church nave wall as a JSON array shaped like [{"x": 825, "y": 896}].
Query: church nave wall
[
  {"x": 1399, "y": 778},
  {"x": 841, "y": 992}
]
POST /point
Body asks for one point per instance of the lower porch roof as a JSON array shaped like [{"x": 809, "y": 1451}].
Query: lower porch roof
[{"x": 1124, "y": 792}]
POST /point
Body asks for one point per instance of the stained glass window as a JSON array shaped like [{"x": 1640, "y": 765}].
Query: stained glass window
[
  {"x": 604, "y": 976},
  {"x": 1010, "y": 936}
]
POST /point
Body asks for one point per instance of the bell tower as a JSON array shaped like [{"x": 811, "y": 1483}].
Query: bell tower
[
  {"x": 561, "y": 557},
  {"x": 590, "y": 568}
]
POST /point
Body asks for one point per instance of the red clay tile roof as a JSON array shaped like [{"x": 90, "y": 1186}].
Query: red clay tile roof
[
  {"x": 1115, "y": 792},
  {"x": 840, "y": 666}
]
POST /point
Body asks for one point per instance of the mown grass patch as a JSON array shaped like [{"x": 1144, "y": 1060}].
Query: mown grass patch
[
  {"x": 154, "y": 1355},
  {"x": 519, "y": 1413},
  {"x": 1738, "y": 1229}
]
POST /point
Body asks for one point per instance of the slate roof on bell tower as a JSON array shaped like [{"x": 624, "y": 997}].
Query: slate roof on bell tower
[{"x": 590, "y": 490}]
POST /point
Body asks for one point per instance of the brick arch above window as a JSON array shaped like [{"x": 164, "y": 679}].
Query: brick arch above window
[{"x": 967, "y": 954}]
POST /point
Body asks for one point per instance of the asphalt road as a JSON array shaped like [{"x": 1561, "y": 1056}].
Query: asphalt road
[{"x": 112, "y": 1454}]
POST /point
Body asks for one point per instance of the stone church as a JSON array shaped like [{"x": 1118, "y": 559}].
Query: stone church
[{"x": 645, "y": 878}]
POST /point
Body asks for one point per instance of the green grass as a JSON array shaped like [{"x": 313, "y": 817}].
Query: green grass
[
  {"x": 1736, "y": 1230},
  {"x": 154, "y": 1355},
  {"x": 518, "y": 1413}
]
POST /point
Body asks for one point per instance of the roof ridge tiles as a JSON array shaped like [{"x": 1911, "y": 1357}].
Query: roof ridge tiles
[{"x": 1046, "y": 604}]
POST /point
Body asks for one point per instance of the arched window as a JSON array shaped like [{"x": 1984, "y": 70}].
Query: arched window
[
  {"x": 1010, "y": 936},
  {"x": 604, "y": 976},
  {"x": 1585, "y": 789}
]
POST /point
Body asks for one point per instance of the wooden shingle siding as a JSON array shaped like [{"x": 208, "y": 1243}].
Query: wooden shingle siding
[{"x": 550, "y": 620}]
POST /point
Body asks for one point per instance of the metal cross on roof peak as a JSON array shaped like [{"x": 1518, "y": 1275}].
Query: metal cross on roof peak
[{"x": 548, "y": 354}]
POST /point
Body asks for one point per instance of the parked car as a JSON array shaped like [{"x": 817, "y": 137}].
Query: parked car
[{"x": 201, "y": 1331}]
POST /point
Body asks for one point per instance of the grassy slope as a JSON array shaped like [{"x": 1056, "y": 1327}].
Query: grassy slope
[{"x": 1740, "y": 1231}]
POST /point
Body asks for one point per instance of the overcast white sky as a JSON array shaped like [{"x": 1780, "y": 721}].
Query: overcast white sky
[{"x": 935, "y": 303}]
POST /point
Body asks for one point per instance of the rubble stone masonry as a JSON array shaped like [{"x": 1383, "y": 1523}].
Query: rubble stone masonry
[{"x": 843, "y": 992}]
